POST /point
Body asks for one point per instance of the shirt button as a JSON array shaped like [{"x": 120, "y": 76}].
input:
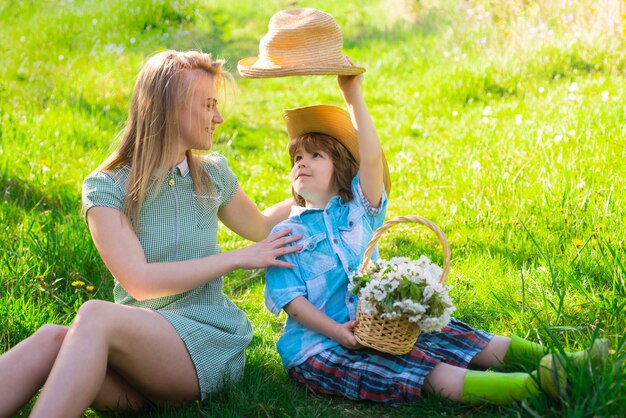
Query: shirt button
[
  {"x": 310, "y": 246},
  {"x": 335, "y": 240},
  {"x": 327, "y": 212},
  {"x": 350, "y": 223}
]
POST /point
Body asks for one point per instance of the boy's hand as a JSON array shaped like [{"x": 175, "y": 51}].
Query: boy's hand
[
  {"x": 349, "y": 83},
  {"x": 345, "y": 336}
]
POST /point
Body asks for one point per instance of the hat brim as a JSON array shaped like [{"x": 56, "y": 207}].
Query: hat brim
[
  {"x": 329, "y": 120},
  {"x": 247, "y": 69}
]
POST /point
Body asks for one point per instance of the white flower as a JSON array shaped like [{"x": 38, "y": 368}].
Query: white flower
[
  {"x": 401, "y": 287},
  {"x": 605, "y": 95}
]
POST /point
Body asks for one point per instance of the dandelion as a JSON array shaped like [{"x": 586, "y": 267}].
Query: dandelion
[
  {"x": 487, "y": 111},
  {"x": 598, "y": 227},
  {"x": 518, "y": 119},
  {"x": 578, "y": 242},
  {"x": 573, "y": 87},
  {"x": 571, "y": 132},
  {"x": 541, "y": 89},
  {"x": 78, "y": 283},
  {"x": 572, "y": 96},
  {"x": 594, "y": 242},
  {"x": 581, "y": 184},
  {"x": 455, "y": 113},
  {"x": 89, "y": 288}
]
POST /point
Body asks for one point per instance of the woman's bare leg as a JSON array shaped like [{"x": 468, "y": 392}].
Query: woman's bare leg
[
  {"x": 25, "y": 368},
  {"x": 116, "y": 394},
  {"x": 139, "y": 344}
]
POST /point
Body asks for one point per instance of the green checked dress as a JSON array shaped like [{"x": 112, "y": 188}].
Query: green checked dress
[{"x": 176, "y": 225}]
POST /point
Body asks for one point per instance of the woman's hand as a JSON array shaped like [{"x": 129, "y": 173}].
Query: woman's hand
[
  {"x": 345, "y": 335},
  {"x": 264, "y": 253}
]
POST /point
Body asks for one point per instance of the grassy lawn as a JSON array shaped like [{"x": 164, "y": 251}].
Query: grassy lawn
[{"x": 503, "y": 122}]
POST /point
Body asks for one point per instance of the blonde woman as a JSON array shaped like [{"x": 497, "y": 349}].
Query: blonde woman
[{"x": 152, "y": 209}]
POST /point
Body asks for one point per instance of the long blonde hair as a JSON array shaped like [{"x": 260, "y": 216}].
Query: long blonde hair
[{"x": 149, "y": 140}]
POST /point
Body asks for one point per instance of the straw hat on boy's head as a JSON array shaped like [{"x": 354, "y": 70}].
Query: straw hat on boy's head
[
  {"x": 329, "y": 120},
  {"x": 299, "y": 42}
]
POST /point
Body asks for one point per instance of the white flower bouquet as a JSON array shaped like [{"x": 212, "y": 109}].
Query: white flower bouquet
[
  {"x": 403, "y": 287},
  {"x": 399, "y": 298}
]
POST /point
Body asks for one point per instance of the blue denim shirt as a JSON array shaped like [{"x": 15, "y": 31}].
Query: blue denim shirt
[{"x": 333, "y": 240}]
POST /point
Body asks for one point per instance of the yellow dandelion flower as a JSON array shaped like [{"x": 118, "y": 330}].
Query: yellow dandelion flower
[
  {"x": 78, "y": 283},
  {"x": 39, "y": 277},
  {"x": 504, "y": 221},
  {"x": 594, "y": 242},
  {"x": 560, "y": 209},
  {"x": 578, "y": 242},
  {"x": 89, "y": 288},
  {"x": 597, "y": 227}
]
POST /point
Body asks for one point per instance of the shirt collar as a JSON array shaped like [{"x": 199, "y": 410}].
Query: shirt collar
[
  {"x": 183, "y": 167},
  {"x": 299, "y": 210}
]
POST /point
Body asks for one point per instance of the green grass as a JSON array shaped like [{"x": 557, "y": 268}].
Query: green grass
[{"x": 505, "y": 129}]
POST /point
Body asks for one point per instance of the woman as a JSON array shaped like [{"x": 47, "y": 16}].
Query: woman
[{"x": 152, "y": 208}]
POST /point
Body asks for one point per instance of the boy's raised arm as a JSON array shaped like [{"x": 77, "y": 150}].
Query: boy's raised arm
[{"x": 370, "y": 151}]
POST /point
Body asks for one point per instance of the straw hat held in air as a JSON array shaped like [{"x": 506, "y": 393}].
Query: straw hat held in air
[{"x": 299, "y": 42}]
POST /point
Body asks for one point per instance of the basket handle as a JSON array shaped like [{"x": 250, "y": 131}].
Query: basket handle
[{"x": 415, "y": 219}]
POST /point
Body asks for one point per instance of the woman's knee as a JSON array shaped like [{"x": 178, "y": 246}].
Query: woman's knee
[
  {"x": 50, "y": 335},
  {"x": 92, "y": 314}
]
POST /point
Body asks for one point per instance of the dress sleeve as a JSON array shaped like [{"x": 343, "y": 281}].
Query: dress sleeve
[
  {"x": 283, "y": 284},
  {"x": 100, "y": 189},
  {"x": 226, "y": 180}
]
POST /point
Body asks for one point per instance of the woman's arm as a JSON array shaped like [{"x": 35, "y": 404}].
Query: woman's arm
[
  {"x": 370, "y": 151},
  {"x": 122, "y": 253},
  {"x": 243, "y": 217},
  {"x": 308, "y": 315}
]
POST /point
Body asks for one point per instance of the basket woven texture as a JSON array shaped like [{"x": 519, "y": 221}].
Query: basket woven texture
[{"x": 394, "y": 336}]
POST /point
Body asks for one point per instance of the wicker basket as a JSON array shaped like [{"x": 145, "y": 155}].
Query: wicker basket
[{"x": 394, "y": 336}]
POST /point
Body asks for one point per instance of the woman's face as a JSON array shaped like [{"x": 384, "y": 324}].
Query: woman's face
[{"x": 199, "y": 115}]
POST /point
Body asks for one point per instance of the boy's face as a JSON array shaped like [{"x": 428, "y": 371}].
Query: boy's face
[{"x": 311, "y": 177}]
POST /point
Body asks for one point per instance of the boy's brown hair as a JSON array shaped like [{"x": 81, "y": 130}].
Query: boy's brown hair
[{"x": 345, "y": 166}]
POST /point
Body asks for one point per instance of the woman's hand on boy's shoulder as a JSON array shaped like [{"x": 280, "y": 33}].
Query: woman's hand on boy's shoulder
[{"x": 267, "y": 252}]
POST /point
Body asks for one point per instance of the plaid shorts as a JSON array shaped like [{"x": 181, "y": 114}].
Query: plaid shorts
[{"x": 367, "y": 374}]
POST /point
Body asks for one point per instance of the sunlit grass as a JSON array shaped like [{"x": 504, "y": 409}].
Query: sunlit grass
[{"x": 503, "y": 123}]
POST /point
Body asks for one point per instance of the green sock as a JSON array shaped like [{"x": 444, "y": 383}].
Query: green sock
[
  {"x": 498, "y": 388},
  {"x": 530, "y": 353},
  {"x": 596, "y": 354},
  {"x": 524, "y": 352}
]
